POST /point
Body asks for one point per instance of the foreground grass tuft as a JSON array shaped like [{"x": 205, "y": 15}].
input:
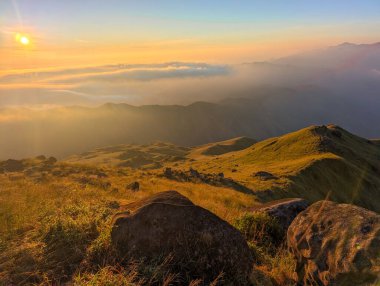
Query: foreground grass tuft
[{"x": 274, "y": 264}]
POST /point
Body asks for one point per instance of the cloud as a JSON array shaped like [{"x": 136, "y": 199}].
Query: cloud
[
  {"x": 186, "y": 82},
  {"x": 99, "y": 84},
  {"x": 112, "y": 73}
]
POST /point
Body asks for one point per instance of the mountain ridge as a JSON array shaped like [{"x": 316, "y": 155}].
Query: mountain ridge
[{"x": 314, "y": 163}]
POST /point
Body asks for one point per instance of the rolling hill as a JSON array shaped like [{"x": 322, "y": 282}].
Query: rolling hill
[
  {"x": 156, "y": 155},
  {"x": 313, "y": 163},
  {"x": 135, "y": 156},
  {"x": 223, "y": 147}
]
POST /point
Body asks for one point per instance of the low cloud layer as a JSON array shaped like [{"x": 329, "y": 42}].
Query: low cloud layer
[
  {"x": 100, "y": 84},
  {"x": 345, "y": 71}
]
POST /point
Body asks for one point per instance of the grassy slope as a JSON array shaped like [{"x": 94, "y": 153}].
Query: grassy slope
[
  {"x": 134, "y": 156},
  {"x": 51, "y": 221},
  {"x": 312, "y": 163},
  {"x": 222, "y": 147},
  {"x": 156, "y": 155},
  {"x": 54, "y": 217}
]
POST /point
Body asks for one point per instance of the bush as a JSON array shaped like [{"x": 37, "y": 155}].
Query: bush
[
  {"x": 100, "y": 252},
  {"x": 260, "y": 228},
  {"x": 267, "y": 243}
]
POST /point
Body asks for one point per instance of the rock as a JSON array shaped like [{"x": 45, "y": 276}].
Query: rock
[
  {"x": 195, "y": 176},
  {"x": 113, "y": 205},
  {"x": 51, "y": 161},
  {"x": 168, "y": 173},
  {"x": 101, "y": 174},
  {"x": 284, "y": 211},
  {"x": 265, "y": 175},
  {"x": 135, "y": 186},
  {"x": 336, "y": 244},
  {"x": 200, "y": 244},
  {"x": 104, "y": 185},
  {"x": 41, "y": 158},
  {"x": 194, "y": 173},
  {"x": 12, "y": 165}
]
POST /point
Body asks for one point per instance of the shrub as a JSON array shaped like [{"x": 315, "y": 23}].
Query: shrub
[
  {"x": 260, "y": 228},
  {"x": 266, "y": 241},
  {"x": 100, "y": 252}
]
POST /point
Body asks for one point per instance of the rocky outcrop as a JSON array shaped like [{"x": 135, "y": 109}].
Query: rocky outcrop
[
  {"x": 200, "y": 244},
  {"x": 265, "y": 176},
  {"x": 336, "y": 244},
  {"x": 284, "y": 211},
  {"x": 195, "y": 176},
  {"x": 12, "y": 165}
]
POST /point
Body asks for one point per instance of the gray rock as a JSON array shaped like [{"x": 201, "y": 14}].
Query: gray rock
[
  {"x": 265, "y": 175},
  {"x": 336, "y": 244},
  {"x": 284, "y": 211}
]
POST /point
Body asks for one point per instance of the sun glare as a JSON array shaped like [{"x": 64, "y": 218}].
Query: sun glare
[{"x": 22, "y": 39}]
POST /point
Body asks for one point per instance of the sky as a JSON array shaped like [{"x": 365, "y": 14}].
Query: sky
[
  {"x": 96, "y": 32},
  {"x": 89, "y": 52}
]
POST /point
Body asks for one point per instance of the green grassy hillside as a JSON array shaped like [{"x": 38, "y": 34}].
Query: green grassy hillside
[
  {"x": 223, "y": 147},
  {"x": 313, "y": 163}
]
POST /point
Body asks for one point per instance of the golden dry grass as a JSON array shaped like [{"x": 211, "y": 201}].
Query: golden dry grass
[
  {"x": 55, "y": 222},
  {"x": 50, "y": 225}
]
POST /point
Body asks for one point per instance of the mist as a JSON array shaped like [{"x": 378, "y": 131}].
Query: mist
[{"x": 60, "y": 112}]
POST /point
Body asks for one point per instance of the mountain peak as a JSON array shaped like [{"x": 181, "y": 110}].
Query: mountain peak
[{"x": 347, "y": 44}]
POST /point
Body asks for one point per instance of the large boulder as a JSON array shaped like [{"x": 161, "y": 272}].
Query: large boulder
[
  {"x": 200, "y": 244},
  {"x": 336, "y": 244},
  {"x": 284, "y": 211}
]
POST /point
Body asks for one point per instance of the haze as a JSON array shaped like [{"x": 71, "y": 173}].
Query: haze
[{"x": 296, "y": 64}]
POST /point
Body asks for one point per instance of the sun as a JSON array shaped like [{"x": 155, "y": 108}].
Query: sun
[{"x": 22, "y": 39}]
